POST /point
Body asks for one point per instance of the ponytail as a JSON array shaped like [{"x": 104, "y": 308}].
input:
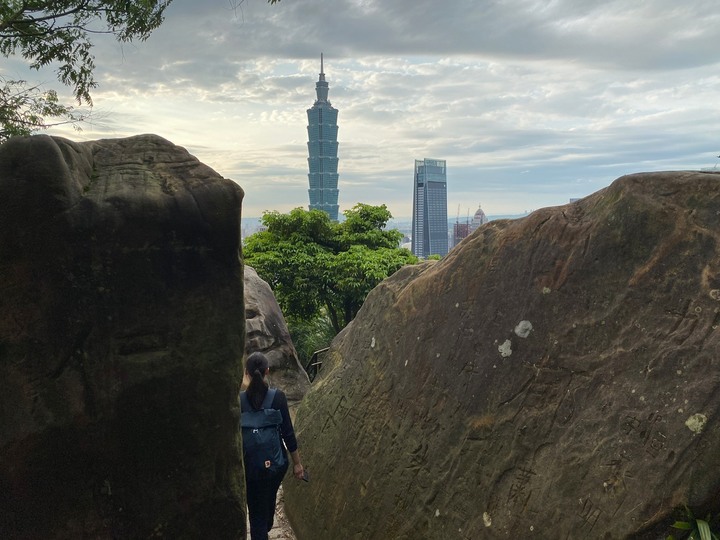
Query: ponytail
[{"x": 256, "y": 366}]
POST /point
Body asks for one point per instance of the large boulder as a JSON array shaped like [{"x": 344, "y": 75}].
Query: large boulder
[
  {"x": 556, "y": 376},
  {"x": 266, "y": 331},
  {"x": 121, "y": 340}
]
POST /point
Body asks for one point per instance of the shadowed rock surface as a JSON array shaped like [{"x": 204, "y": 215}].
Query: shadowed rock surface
[
  {"x": 556, "y": 376},
  {"x": 267, "y": 332},
  {"x": 121, "y": 338}
]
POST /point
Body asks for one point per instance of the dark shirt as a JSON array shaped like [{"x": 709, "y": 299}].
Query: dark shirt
[
  {"x": 286, "y": 428},
  {"x": 288, "y": 433}
]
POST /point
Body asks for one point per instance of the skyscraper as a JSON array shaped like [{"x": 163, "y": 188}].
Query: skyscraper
[
  {"x": 429, "y": 224},
  {"x": 322, "y": 151}
]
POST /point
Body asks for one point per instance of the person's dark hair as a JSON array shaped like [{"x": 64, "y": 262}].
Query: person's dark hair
[{"x": 256, "y": 365}]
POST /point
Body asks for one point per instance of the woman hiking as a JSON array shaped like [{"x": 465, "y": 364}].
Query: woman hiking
[{"x": 265, "y": 420}]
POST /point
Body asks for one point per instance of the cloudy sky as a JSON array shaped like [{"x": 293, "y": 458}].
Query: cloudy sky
[{"x": 530, "y": 102}]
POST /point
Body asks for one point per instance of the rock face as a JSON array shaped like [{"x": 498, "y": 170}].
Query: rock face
[
  {"x": 121, "y": 339},
  {"x": 556, "y": 376},
  {"x": 267, "y": 332}
]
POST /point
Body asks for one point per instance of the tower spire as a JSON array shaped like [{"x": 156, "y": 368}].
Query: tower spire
[{"x": 321, "y": 87}]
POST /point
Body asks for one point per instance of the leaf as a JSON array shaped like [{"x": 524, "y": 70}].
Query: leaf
[
  {"x": 704, "y": 529},
  {"x": 684, "y": 525}
]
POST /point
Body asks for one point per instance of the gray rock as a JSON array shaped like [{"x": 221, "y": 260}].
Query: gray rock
[
  {"x": 267, "y": 332},
  {"x": 556, "y": 376},
  {"x": 121, "y": 339}
]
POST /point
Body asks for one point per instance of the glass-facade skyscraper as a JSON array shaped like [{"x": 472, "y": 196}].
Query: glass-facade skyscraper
[
  {"x": 323, "y": 151},
  {"x": 429, "y": 221}
]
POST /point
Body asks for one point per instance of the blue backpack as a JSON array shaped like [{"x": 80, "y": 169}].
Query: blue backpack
[{"x": 263, "y": 450}]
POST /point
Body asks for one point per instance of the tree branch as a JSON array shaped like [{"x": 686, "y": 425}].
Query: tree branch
[{"x": 34, "y": 20}]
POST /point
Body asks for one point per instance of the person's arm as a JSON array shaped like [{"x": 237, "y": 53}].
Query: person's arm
[
  {"x": 288, "y": 434},
  {"x": 298, "y": 469}
]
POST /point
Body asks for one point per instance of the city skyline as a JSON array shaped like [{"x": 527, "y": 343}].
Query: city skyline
[{"x": 564, "y": 99}]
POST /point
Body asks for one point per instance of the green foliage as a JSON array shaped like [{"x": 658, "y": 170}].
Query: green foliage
[
  {"x": 25, "y": 109},
  {"x": 364, "y": 225},
  {"x": 288, "y": 254},
  {"x": 316, "y": 266},
  {"x": 310, "y": 335},
  {"x": 694, "y": 528},
  {"x": 57, "y": 31}
]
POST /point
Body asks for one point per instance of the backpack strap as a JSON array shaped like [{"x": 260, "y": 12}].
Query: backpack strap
[
  {"x": 269, "y": 397},
  {"x": 244, "y": 402},
  {"x": 266, "y": 404}
]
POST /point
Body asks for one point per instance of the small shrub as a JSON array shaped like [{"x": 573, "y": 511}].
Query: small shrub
[{"x": 693, "y": 528}]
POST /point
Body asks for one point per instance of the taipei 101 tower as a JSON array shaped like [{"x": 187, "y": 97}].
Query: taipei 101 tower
[{"x": 323, "y": 151}]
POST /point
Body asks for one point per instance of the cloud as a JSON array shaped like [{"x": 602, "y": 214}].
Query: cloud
[{"x": 530, "y": 102}]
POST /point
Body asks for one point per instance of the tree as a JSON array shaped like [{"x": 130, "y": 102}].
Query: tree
[
  {"x": 24, "y": 109},
  {"x": 318, "y": 267},
  {"x": 58, "y": 32}
]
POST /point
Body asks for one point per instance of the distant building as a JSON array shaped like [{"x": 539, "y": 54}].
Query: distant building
[
  {"x": 478, "y": 219},
  {"x": 430, "y": 225},
  {"x": 460, "y": 231},
  {"x": 463, "y": 230},
  {"x": 323, "y": 151}
]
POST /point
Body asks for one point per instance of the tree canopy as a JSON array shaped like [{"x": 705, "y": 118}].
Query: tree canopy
[
  {"x": 57, "y": 32},
  {"x": 313, "y": 264}
]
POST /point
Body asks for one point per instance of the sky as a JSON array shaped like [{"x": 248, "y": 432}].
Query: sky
[{"x": 530, "y": 102}]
